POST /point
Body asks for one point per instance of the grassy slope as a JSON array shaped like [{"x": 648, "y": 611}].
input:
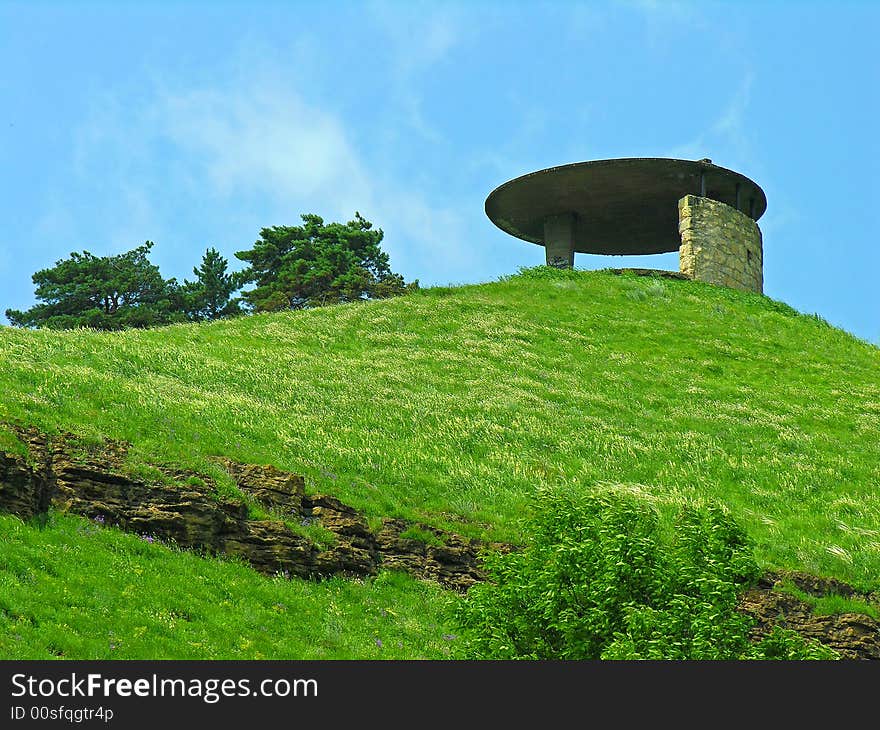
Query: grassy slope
[
  {"x": 79, "y": 591},
  {"x": 454, "y": 405}
]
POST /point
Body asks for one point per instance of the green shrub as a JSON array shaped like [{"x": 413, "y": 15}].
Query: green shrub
[
  {"x": 601, "y": 578},
  {"x": 785, "y": 644}
]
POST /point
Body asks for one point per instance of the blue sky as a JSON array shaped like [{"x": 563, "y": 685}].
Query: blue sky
[{"x": 195, "y": 124}]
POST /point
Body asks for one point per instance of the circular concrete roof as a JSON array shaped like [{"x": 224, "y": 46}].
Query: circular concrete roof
[{"x": 623, "y": 206}]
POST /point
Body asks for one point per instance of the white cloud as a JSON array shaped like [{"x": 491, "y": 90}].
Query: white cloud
[
  {"x": 262, "y": 139},
  {"x": 731, "y": 124},
  {"x": 420, "y": 33},
  {"x": 728, "y": 131},
  {"x": 248, "y": 149},
  {"x": 266, "y": 140},
  {"x": 425, "y": 241},
  {"x": 418, "y": 36}
]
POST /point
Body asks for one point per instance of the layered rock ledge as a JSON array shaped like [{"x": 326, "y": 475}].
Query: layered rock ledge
[
  {"x": 852, "y": 635},
  {"x": 184, "y": 509}
]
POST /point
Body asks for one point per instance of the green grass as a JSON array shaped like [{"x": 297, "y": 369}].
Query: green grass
[
  {"x": 453, "y": 405},
  {"x": 831, "y": 604},
  {"x": 77, "y": 590},
  {"x": 420, "y": 535},
  {"x": 10, "y": 444}
]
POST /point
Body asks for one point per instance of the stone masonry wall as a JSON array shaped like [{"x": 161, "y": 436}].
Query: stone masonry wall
[{"x": 719, "y": 245}]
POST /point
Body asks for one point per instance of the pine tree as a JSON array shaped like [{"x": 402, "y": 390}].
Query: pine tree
[
  {"x": 210, "y": 295},
  {"x": 296, "y": 267},
  {"x": 102, "y": 292}
]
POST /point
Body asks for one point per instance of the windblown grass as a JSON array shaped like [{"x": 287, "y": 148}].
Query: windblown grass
[
  {"x": 453, "y": 405},
  {"x": 76, "y": 590}
]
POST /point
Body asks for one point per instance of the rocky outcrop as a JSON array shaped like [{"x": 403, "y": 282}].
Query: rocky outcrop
[
  {"x": 277, "y": 490},
  {"x": 852, "y": 635},
  {"x": 25, "y": 487},
  {"x": 449, "y": 559},
  {"x": 183, "y": 508}
]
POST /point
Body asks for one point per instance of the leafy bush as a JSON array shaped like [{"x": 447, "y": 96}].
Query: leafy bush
[
  {"x": 601, "y": 578},
  {"x": 786, "y": 644}
]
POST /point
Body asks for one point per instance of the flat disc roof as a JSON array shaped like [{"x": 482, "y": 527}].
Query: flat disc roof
[{"x": 623, "y": 206}]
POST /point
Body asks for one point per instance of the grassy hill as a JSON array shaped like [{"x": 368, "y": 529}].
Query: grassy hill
[{"x": 451, "y": 406}]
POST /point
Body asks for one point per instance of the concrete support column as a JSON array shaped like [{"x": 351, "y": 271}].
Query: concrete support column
[{"x": 559, "y": 240}]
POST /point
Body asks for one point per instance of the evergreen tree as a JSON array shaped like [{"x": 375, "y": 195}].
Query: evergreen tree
[
  {"x": 210, "y": 295},
  {"x": 295, "y": 267},
  {"x": 102, "y": 292}
]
